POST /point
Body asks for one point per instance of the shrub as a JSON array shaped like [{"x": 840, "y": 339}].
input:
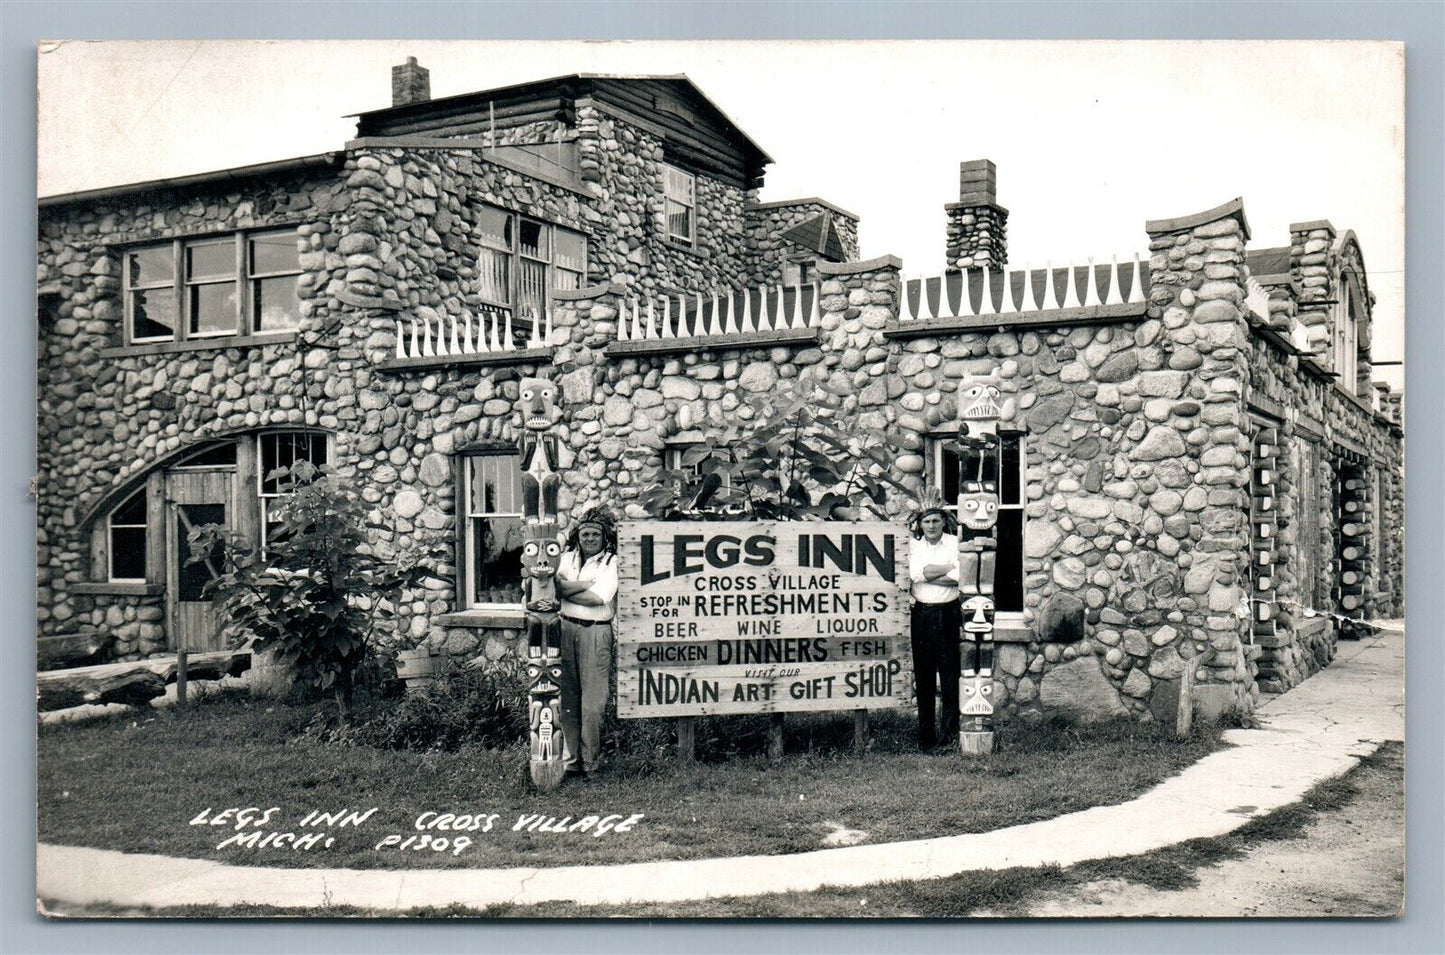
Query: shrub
[
  {"x": 791, "y": 455},
  {"x": 484, "y": 706},
  {"x": 320, "y": 597}
]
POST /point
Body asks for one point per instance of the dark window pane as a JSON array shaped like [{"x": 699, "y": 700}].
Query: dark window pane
[
  {"x": 534, "y": 239},
  {"x": 274, "y": 252},
  {"x": 1009, "y": 489},
  {"x": 217, "y": 455},
  {"x": 1008, "y": 581},
  {"x": 274, "y": 304},
  {"x": 948, "y": 480},
  {"x": 194, "y": 577},
  {"x": 497, "y": 544},
  {"x": 211, "y": 260},
  {"x": 213, "y": 309},
  {"x": 153, "y": 314},
  {"x": 132, "y": 512},
  {"x": 152, "y": 266},
  {"x": 127, "y": 553}
]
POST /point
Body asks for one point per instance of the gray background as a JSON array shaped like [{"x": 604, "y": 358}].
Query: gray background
[{"x": 1421, "y": 26}]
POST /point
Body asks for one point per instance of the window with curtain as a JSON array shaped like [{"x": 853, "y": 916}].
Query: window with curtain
[
  {"x": 494, "y": 530},
  {"x": 522, "y": 260}
]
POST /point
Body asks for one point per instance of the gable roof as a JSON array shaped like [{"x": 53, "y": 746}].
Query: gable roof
[
  {"x": 706, "y": 138},
  {"x": 1268, "y": 261},
  {"x": 818, "y": 234}
]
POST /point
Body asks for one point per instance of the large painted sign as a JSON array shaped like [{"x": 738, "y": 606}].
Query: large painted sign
[{"x": 761, "y": 617}]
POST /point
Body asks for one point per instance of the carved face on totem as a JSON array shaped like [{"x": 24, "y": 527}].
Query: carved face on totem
[
  {"x": 544, "y": 676},
  {"x": 978, "y": 614},
  {"x": 975, "y": 695},
  {"x": 978, "y": 507},
  {"x": 540, "y": 558},
  {"x": 978, "y": 399},
  {"x": 537, "y": 400}
]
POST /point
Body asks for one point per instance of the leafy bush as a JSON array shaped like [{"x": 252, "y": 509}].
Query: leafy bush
[
  {"x": 320, "y": 597},
  {"x": 791, "y": 456},
  {"x": 484, "y": 706}
]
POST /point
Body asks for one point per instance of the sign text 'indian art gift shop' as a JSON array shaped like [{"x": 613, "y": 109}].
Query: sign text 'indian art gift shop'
[{"x": 761, "y": 617}]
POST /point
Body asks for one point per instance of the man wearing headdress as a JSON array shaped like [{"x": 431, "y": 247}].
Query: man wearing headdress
[
  {"x": 933, "y": 569},
  {"x": 587, "y": 586}
]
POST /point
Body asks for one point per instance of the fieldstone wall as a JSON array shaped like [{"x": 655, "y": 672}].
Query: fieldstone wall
[
  {"x": 622, "y": 165},
  {"x": 1306, "y": 406},
  {"x": 104, "y": 419},
  {"x": 1309, "y": 260},
  {"x": 1136, "y": 431},
  {"x": 1197, "y": 288}
]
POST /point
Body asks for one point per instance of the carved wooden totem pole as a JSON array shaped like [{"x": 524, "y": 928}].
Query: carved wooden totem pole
[
  {"x": 978, "y": 470},
  {"x": 541, "y": 555}
]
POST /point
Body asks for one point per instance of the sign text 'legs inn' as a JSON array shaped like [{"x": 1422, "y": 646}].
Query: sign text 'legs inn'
[{"x": 761, "y": 617}]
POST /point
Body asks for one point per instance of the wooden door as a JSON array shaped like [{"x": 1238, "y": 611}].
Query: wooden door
[{"x": 194, "y": 498}]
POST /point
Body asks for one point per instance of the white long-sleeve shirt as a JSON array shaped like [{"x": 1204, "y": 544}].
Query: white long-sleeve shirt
[
  {"x": 602, "y": 571},
  {"x": 920, "y": 555}
]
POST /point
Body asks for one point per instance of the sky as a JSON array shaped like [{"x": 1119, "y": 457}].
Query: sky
[{"x": 1090, "y": 138}]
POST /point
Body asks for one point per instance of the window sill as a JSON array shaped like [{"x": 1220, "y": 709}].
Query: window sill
[
  {"x": 119, "y": 589},
  {"x": 792, "y": 337},
  {"x": 500, "y": 618},
  {"x": 519, "y": 356},
  {"x": 199, "y": 344}
]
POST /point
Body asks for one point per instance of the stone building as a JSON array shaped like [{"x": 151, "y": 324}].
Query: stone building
[{"x": 1167, "y": 418}]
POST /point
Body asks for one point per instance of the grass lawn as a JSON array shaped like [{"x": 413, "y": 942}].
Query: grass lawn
[
  {"x": 1005, "y": 892},
  {"x": 136, "y": 784}
]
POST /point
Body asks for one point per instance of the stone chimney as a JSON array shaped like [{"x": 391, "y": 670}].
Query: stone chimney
[
  {"x": 1309, "y": 262},
  {"x": 977, "y": 224},
  {"x": 410, "y": 83}
]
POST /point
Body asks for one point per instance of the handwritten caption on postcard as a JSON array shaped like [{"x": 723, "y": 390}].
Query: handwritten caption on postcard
[{"x": 254, "y": 827}]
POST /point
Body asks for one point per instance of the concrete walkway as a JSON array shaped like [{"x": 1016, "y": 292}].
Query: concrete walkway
[{"x": 1317, "y": 731}]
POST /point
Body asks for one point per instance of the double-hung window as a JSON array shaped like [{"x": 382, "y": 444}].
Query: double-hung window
[
  {"x": 213, "y": 287},
  {"x": 1008, "y": 584},
  {"x": 495, "y": 531},
  {"x": 284, "y": 449},
  {"x": 679, "y": 191},
  {"x": 521, "y": 260}
]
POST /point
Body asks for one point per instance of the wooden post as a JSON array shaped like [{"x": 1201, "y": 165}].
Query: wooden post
[
  {"x": 775, "y": 737},
  {"x": 686, "y": 738},
  {"x": 1184, "y": 720},
  {"x": 181, "y": 661},
  {"x": 860, "y": 732}
]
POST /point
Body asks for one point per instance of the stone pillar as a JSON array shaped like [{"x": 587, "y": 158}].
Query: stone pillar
[
  {"x": 1309, "y": 262},
  {"x": 1197, "y": 289},
  {"x": 410, "y": 83},
  {"x": 977, "y": 224},
  {"x": 601, "y": 437}
]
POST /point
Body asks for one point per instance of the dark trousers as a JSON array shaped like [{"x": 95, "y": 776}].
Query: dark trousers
[{"x": 935, "y": 658}]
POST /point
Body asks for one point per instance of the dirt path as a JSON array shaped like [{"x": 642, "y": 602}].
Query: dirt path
[{"x": 1349, "y": 861}]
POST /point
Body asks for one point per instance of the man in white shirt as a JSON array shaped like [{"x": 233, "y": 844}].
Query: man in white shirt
[
  {"x": 933, "y": 569},
  {"x": 587, "y": 586}
]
